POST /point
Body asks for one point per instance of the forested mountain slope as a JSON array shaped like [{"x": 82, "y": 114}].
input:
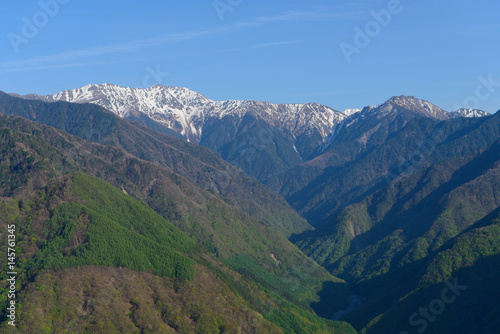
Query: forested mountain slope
[
  {"x": 72, "y": 227},
  {"x": 429, "y": 224}
]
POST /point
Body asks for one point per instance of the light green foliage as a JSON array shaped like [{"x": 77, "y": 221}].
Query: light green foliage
[{"x": 112, "y": 229}]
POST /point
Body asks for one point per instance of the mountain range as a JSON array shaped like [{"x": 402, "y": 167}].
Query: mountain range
[
  {"x": 186, "y": 111},
  {"x": 384, "y": 217},
  {"x": 263, "y": 139}
]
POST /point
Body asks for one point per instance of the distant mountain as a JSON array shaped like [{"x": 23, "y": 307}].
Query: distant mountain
[
  {"x": 241, "y": 132},
  {"x": 263, "y": 139},
  {"x": 368, "y": 121},
  {"x": 362, "y": 152},
  {"x": 414, "y": 106},
  {"x": 186, "y": 111},
  {"x": 471, "y": 113}
]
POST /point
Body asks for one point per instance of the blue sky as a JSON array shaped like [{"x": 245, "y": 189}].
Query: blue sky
[{"x": 344, "y": 54}]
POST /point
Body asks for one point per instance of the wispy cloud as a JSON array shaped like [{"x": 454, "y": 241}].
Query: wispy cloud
[
  {"x": 319, "y": 14},
  {"x": 259, "y": 46},
  {"x": 266, "y": 45},
  {"x": 55, "y": 66},
  {"x": 108, "y": 49},
  {"x": 77, "y": 56}
]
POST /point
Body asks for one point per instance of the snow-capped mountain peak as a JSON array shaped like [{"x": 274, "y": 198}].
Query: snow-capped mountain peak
[
  {"x": 471, "y": 113},
  {"x": 186, "y": 111},
  {"x": 397, "y": 105},
  {"x": 417, "y": 107}
]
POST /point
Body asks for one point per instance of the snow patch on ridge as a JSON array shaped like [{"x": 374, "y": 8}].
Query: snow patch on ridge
[{"x": 471, "y": 113}]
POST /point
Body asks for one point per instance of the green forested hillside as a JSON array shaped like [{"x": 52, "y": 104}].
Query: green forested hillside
[
  {"x": 454, "y": 291},
  {"x": 204, "y": 216},
  {"x": 74, "y": 227},
  {"x": 70, "y": 267}
]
